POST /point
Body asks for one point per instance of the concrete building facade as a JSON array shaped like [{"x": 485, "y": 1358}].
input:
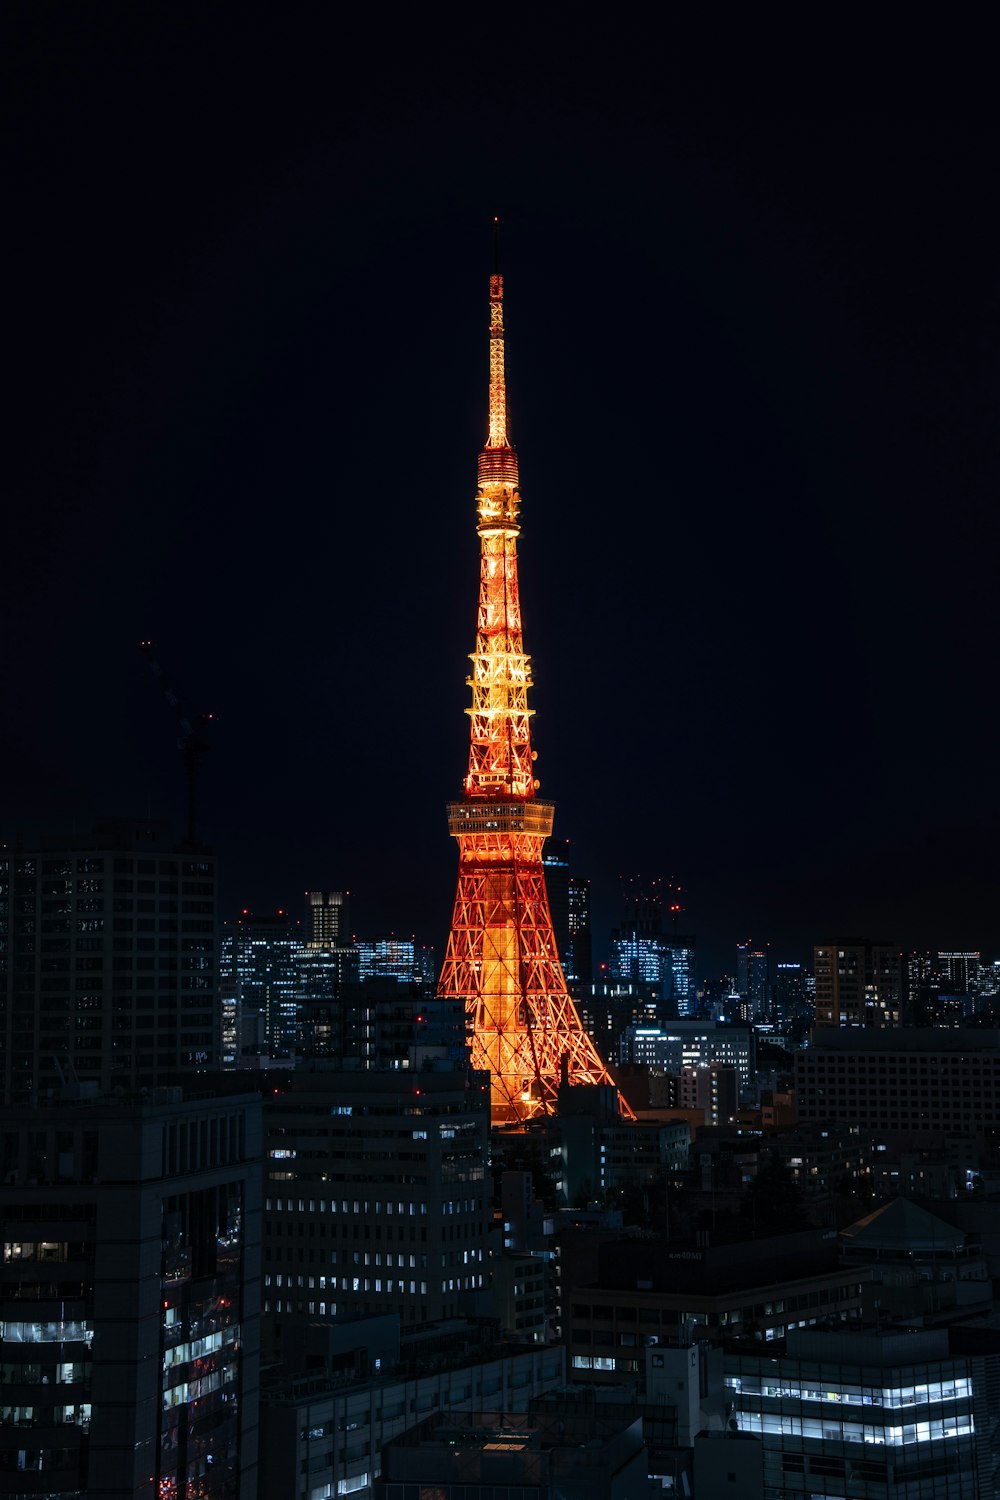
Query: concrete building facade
[{"x": 129, "y": 1298}]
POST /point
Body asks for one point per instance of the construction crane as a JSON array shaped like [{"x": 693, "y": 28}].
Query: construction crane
[{"x": 192, "y": 741}]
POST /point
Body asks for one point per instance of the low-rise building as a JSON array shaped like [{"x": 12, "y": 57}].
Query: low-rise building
[
  {"x": 902, "y": 1081},
  {"x": 649, "y": 1292},
  {"x": 323, "y": 1432},
  {"x": 533, "y": 1456}
]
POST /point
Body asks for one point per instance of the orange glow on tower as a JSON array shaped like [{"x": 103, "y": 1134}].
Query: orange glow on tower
[{"x": 501, "y": 958}]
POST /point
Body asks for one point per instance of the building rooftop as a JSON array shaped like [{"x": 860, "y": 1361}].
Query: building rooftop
[
  {"x": 564, "y": 1448},
  {"x": 659, "y": 1266},
  {"x": 902, "y": 1227},
  {"x": 980, "y": 1040}
]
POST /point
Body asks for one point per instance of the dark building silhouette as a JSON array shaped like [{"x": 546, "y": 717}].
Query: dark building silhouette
[
  {"x": 130, "y": 1296},
  {"x": 109, "y": 963},
  {"x": 569, "y": 903}
]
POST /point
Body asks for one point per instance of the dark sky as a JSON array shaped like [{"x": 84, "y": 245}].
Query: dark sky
[{"x": 752, "y": 309}]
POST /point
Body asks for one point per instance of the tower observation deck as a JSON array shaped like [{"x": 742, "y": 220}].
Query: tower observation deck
[{"x": 501, "y": 958}]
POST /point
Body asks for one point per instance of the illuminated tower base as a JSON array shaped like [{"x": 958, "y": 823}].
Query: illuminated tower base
[{"x": 501, "y": 959}]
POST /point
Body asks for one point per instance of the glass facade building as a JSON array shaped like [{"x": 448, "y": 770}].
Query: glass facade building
[{"x": 868, "y": 1414}]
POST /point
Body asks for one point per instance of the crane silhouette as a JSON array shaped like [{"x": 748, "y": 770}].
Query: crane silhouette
[{"x": 192, "y": 741}]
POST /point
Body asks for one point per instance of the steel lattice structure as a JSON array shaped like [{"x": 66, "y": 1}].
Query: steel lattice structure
[{"x": 501, "y": 958}]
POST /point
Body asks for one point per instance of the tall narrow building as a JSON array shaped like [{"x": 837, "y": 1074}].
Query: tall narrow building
[{"x": 502, "y": 959}]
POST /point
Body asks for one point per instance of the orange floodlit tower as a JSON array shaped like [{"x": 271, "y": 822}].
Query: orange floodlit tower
[{"x": 501, "y": 958}]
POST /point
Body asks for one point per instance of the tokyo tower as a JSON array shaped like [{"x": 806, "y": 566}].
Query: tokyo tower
[{"x": 501, "y": 958}]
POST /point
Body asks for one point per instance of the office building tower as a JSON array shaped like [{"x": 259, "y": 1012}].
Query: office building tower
[
  {"x": 260, "y": 968},
  {"x": 693, "y": 1044},
  {"x": 569, "y": 903},
  {"x": 753, "y": 978},
  {"x": 108, "y": 960},
  {"x": 712, "y": 1088},
  {"x": 502, "y": 960},
  {"x": 858, "y": 984},
  {"x": 989, "y": 978},
  {"x": 556, "y": 864},
  {"x": 648, "y": 949},
  {"x": 401, "y": 959},
  {"x": 327, "y": 976},
  {"x": 609, "y": 1007},
  {"x": 328, "y": 919},
  {"x": 130, "y": 1296},
  {"x": 959, "y": 972},
  {"x": 377, "y": 1196},
  {"x": 792, "y": 1001},
  {"x": 579, "y": 961}
]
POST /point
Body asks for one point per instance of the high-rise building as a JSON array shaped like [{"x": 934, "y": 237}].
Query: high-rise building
[
  {"x": 858, "y": 984},
  {"x": 648, "y": 949},
  {"x": 327, "y": 1022},
  {"x": 401, "y": 959},
  {"x": 502, "y": 960},
  {"x": 959, "y": 972},
  {"x": 579, "y": 962},
  {"x": 108, "y": 960},
  {"x": 130, "y": 1296},
  {"x": 792, "y": 1001},
  {"x": 260, "y": 966},
  {"x": 569, "y": 903},
  {"x": 376, "y": 1195},
  {"x": 328, "y": 919},
  {"x": 693, "y": 1044},
  {"x": 712, "y": 1087},
  {"x": 753, "y": 978},
  {"x": 609, "y": 1007}
]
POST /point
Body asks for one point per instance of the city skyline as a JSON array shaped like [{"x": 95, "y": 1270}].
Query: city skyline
[{"x": 755, "y": 408}]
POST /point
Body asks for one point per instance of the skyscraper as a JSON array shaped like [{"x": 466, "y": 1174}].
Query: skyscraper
[
  {"x": 569, "y": 903},
  {"x": 108, "y": 962},
  {"x": 753, "y": 978},
  {"x": 791, "y": 994},
  {"x": 328, "y": 919},
  {"x": 579, "y": 962},
  {"x": 648, "y": 949},
  {"x": 959, "y": 971},
  {"x": 501, "y": 959},
  {"x": 260, "y": 965}
]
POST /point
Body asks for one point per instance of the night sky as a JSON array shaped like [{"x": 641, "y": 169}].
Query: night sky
[{"x": 752, "y": 312}]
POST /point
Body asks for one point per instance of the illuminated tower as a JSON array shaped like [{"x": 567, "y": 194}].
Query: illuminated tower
[{"x": 501, "y": 958}]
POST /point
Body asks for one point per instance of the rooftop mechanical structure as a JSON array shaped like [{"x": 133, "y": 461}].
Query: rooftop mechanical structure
[{"x": 501, "y": 959}]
